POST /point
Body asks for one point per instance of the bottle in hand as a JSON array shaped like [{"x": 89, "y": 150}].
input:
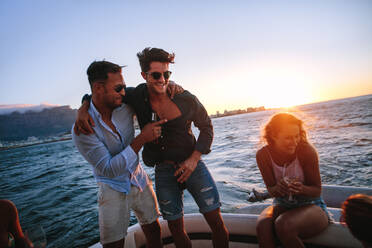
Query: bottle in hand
[{"x": 155, "y": 118}]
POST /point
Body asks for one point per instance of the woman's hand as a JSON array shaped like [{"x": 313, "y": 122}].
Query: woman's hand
[
  {"x": 280, "y": 189},
  {"x": 295, "y": 187}
]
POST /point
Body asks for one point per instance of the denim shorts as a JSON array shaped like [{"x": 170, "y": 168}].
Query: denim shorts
[
  {"x": 281, "y": 201},
  {"x": 169, "y": 192}
]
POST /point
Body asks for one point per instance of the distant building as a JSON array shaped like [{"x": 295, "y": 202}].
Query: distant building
[{"x": 237, "y": 112}]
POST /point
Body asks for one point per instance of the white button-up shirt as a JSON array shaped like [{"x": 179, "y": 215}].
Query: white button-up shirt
[{"x": 113, "y": 160}]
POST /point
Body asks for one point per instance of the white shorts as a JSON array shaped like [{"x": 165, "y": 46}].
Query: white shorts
[{"x": 114, "y": 210}]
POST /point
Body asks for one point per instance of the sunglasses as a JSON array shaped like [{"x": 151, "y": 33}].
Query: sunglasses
[
  {"x": 157, "y": 75},
  {"x": 119, "y": 88}
]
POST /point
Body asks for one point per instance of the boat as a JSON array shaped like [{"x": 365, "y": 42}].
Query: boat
[{"x": 242, "y": 225}]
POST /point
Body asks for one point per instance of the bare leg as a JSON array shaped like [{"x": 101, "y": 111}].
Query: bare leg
[
  {"x": 220, "y": 235},
  {"x": 153, "y": 234},
  {"x": 179, "y": 235},
  {"x": 116, "y": 244},
  {"x": 265, "y": 226},
  {"x": 302, "y": 222}
]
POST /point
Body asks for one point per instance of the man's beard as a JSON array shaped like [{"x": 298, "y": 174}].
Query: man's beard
[{"x": 112, "y": 104}]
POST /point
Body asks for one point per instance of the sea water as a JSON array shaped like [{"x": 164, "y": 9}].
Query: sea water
[{"x": 52, "y": 185}]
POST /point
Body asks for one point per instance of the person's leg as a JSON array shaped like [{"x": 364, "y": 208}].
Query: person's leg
[
  {"x": 265, "y": 226},
  {"x": 301, "y": 222},
  {"x": 115, "y": 244},
  {"x": 220, "y": 235},
  {"x": 181, "y": 239},
  {"x": 113, "y": 216},
  {"x": 145, "y": 207},
  {"x": 204, "y": 191},
  {"x": 152, "y": 232},
  {"x": 170, "y": 199}
]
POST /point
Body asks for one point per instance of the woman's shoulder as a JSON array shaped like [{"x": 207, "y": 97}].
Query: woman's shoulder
[
  {"x": 306, "y": 150},
  {"x": 262, "y": 153}
]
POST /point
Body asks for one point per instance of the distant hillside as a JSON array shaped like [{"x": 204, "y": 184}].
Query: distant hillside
[{"x": 48, "y": 122}]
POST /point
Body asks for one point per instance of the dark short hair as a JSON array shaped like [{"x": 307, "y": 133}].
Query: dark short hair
[
  {"x": 98, "y": 70},
  {"x": 149, "y": 55}
]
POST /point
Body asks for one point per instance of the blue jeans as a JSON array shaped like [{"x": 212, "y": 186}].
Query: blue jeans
[{"x": 169, "y": 192}]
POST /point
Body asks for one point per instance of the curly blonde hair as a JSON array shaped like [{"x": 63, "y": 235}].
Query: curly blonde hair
[{"x": 277, "y": 122}]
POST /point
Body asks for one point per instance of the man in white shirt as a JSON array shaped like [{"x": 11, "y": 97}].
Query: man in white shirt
[{"x": 113, "y": 153}]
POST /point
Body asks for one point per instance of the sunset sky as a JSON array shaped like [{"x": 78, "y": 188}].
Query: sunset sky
[{"x": 230, "y": 54}]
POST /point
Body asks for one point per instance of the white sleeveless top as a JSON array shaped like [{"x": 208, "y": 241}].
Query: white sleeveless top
[{"x": 292, "y": 170}]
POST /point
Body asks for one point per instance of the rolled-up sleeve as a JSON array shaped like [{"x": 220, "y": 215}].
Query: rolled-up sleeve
[
  {"x": 204, "y": 124},
  {"x": 104, "y": 164}
]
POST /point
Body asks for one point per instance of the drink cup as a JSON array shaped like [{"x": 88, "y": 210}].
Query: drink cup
[{"x": 290, "y": 181}]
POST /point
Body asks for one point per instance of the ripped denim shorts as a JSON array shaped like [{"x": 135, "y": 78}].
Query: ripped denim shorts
[
  {"x": 318, "y": 201},
  {"x": 169, "y": 192}
]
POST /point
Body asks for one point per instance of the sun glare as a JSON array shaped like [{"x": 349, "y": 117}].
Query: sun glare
[
  {"x": 287, "y": 98},
  {"x": 281, "y": 89}
]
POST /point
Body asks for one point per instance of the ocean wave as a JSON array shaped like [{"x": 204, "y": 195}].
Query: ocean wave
[{"x": 356, "y": 124}]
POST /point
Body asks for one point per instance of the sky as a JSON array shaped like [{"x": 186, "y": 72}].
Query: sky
[{"x": 230, "y": 54}]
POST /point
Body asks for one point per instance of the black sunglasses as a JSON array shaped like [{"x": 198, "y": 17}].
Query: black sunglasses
[
  {"x": 120, "y": 88},
  {"x": 157, "y": 75}
]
